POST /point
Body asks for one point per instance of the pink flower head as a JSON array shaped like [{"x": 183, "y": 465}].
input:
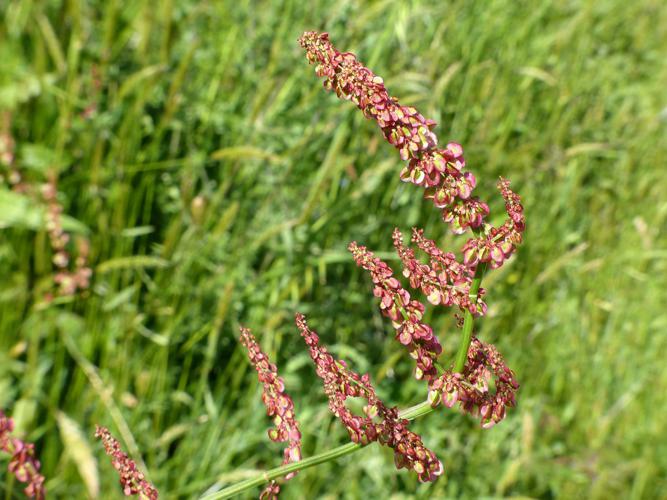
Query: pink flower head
[
  {"x": 23, "y": 462},
  {"x": 341, "y": 383},
  {"x": 278, "y": 405},
  {"x": 404, "y": 312},
  {"x": 132, "y": 480}
]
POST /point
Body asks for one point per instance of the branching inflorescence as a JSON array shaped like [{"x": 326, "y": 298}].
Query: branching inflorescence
[
  {"x": 444, "y": 280},
  {"x": 471, "y": 386},
  {"x": 390, "y": 430},
  {"x": 404, "y": 312}
]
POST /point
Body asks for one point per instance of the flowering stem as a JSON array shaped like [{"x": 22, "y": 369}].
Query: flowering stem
[
  {"x": 466, "y": 335},
  {"x": 415, "y": 411}
]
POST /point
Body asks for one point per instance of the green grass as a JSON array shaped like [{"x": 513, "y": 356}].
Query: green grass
[{"x": 215, "y": 99}]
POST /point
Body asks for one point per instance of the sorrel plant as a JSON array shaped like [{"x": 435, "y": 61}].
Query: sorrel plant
[
  {"x": 444, "y": 280},
  {"x": 475, "y": 378}
]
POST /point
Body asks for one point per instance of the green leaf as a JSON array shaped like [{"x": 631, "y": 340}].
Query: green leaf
[
  {"x": 37, "y": 157},
  {"x": 21, "y": 211},
  {"x": 17, "y": 210}
]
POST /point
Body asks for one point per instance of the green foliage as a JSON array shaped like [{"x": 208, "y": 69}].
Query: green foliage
[{"x": 215, "y": 99}]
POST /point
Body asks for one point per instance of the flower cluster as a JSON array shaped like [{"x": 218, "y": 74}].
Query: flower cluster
[
  {"x": 379, "y": 422},
  {"x": 441, "y": 173},
  {"x": 496, "y": 245},
  {"x": 7, "y": 158},
  {"x": 444, "y": 280},
  {"x": 23, "y": 462},
  {"x": 132, "y": 480},
  {"x": 404, "y": 128},
  {"x": 278, "y": 405},
  {"x": 438, "y": 170},
  {"x": 471, "y": 387},
  {"x": 68, "y": 282},
  {"x": 405, "y": 313}
]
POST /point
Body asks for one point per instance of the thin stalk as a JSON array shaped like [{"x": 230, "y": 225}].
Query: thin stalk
[
  {"x": 468, "y": 320},
  {"x": 415, "y": 411}
]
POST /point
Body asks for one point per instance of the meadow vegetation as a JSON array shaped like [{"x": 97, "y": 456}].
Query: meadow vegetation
[{"x": 217, "y": 185}]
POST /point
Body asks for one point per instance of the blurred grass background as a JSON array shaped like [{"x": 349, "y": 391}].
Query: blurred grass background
[{"x": 215, "y": 100}]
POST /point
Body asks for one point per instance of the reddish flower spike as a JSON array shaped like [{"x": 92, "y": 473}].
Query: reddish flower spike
[
  {"x": 23, "y": 462},
  {"x": 341, "y": 383},
  {"x": 404, "y": 312},
  {"x": 471, "y": 387},
  {"x": 278, "y": 405},
  {"x": 68, "y": 281},
  {"x": 497, "y": 245},
  {"x": 132, "y": 480},
  {"x": 439, "y": 171}
]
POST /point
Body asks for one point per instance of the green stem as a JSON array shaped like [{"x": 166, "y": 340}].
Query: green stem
[
  {"x": 468, "y": 320},
  {"x": 415, "y": 411},
  {"x": 418, "y": 410}
]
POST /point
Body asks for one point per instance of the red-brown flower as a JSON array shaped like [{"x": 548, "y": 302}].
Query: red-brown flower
[
  {"x": 278, "y": 405},
  {"x": 438, "y": 170},
  {"x": 405, "y": 313},
  {"x": 23, "y": 462},
  {"x": 132, "y": 480},
  {"x": 341, "y": 383},
  {"x": 471, "y": 387}
]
